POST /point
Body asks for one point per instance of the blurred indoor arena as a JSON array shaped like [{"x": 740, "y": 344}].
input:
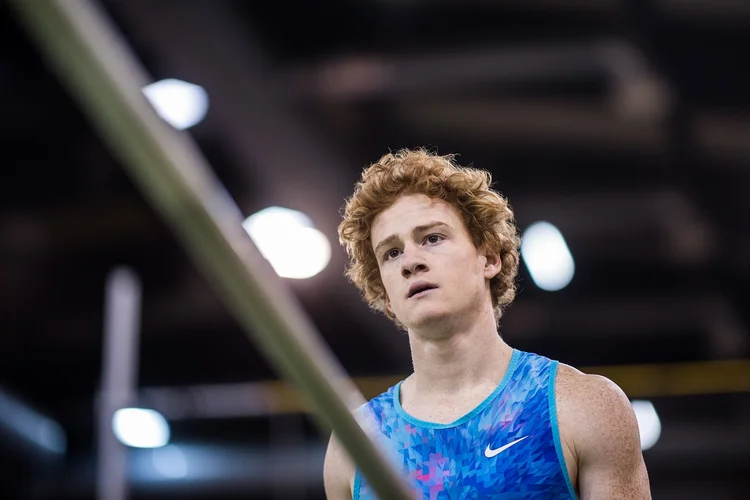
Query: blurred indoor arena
[{"x": 618, "y": 129}]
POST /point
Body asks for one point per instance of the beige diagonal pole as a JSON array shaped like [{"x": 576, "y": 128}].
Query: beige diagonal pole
[{"x": 104, "y": 76}]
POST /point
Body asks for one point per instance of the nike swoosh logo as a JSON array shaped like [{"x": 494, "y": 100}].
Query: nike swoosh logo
[{"x": 489, "y": 453}]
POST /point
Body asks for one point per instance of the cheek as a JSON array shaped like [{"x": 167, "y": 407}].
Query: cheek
[
  {"x": 387, "y": 281},
  {"x": 471, "y": 272}
]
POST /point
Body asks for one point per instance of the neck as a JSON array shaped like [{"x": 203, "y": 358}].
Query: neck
[{"x": 466, "y": 358}]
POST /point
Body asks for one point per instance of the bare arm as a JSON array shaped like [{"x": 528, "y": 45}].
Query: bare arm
[
  {"x": 338, "y": 472},
  {"x": 605, "y": 440}
]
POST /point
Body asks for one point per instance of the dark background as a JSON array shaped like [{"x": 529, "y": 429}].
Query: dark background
[{"x": 623, "y": 122}]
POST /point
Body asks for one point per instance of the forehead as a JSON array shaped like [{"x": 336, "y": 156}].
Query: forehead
[{"x": 410, "y": 211}]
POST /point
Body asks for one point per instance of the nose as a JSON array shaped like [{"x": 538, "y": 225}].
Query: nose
[{"x": 412, "y": 262}]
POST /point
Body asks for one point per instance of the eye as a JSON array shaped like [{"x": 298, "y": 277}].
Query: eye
[
  {"x": 392, "y": 254},
  {"x": 433, "y": 238}
]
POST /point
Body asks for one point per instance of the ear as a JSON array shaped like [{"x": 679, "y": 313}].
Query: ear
[{"x": 493, "y": 264}]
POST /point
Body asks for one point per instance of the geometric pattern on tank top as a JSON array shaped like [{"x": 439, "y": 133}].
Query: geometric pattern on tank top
[{"x": 448, "y": 462}]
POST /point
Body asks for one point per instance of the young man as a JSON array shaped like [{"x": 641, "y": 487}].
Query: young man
[{"x": 436, "y": 250}]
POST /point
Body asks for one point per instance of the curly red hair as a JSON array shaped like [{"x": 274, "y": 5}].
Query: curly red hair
[{"x": 487, "y": 215}]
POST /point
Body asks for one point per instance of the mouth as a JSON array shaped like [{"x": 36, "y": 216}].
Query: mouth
[{"x": 420, "y": 288}]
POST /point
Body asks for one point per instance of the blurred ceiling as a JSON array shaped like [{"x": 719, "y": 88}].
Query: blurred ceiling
[{"x": 624, "y": 123}]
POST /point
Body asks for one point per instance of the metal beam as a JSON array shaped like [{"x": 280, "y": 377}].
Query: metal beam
[
  {"x": 583, "y": 6},
  {"x": 724, "y": 137},
  {"x": 700, "y": 456},
  {"x": 585, "y": 125},
  {"x": 373, "y": 75},
  {"x": 252, "y": 399},
  {"x": 724, "y": 11},
  {"x": 589, "y": 215},
  {"x": 78, "y": 226},
  {"x": 616, "y": 319}
]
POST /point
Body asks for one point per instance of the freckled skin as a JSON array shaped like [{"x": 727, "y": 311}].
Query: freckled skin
[
  {"x": 459, "y": 358},
  {"x": 600, "y": 437}
]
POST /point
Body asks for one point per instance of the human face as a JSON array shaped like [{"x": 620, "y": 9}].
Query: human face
[{"x": 420, "y": 241}]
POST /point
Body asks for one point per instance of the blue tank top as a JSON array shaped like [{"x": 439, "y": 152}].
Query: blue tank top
[{"x": 507, "y": 448}]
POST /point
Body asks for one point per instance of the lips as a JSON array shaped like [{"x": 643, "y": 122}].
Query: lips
[{"x": 420, "y": 286}]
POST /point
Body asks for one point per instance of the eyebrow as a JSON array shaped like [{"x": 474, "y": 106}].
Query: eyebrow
[{"x": 419, "y": 229}]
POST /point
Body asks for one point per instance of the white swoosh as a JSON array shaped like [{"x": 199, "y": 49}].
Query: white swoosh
[{"x": 489, "y": 453}]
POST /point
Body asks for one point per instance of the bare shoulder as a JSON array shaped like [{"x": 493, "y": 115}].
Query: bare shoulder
[
  {"x": 598, "y": 425},
  {"x": 338, "y": 472},
  {"x": 594, "y": 411},
  {"x": 593, "y": 398}
]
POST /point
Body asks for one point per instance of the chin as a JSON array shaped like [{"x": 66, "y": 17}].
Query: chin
[{"x": 428, "y": 319}]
